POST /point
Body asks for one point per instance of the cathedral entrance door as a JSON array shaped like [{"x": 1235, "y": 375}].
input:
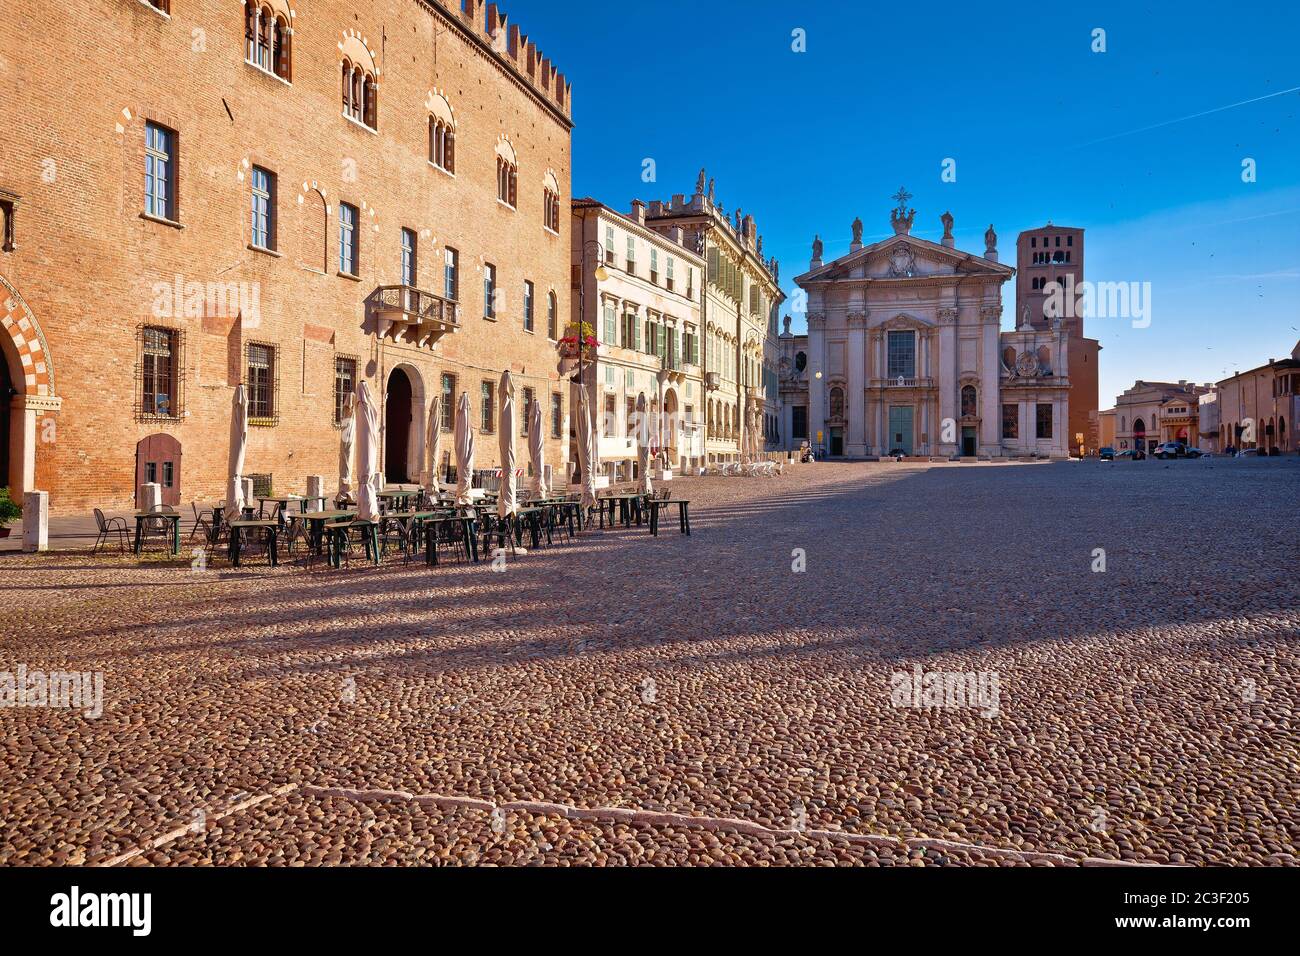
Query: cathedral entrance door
[
  {"x": 968, "y": 441},
  {"x": 900, "y": 429},
  {"x": 837, "y": 443}
]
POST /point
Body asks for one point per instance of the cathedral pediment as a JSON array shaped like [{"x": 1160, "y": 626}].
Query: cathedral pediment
[{"x": 905, "y": 257}]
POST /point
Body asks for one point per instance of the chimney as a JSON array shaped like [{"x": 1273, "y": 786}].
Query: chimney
[{"x": 638, "y": 212}]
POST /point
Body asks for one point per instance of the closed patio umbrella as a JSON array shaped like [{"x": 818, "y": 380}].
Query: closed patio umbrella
[
  {"x": 586, "y": 451},
  {"x": 537, "y": 449},
  {"x": 433, "y": 446},
  {"x": 347, "y": 445},
  {"x": 507, "y": 500},
  {"x": 643, "y": 447},
  {"x": 464, "y": 441},
  {"x": 367, "y": 454},
  {"x": 238, "y": 449}
]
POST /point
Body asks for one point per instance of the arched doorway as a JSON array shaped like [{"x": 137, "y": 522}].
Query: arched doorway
[
  {"x": 1139, "y": 435},
  {"x": 398, "y": 416},
  {"x": 27, "y": 383},
  {"x": 158, "y": 460}
]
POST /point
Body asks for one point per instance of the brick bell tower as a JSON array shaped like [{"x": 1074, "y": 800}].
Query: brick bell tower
[{"x": 1045, "y": 256}]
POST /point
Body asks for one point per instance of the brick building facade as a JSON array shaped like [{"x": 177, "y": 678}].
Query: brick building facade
[{"x": 196, "y": 194}]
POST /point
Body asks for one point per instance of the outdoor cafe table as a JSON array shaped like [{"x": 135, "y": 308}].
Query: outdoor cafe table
[
  {"x": 338, "y": 533},
  {"x": 683, "y": 514},
  {"x": 431, "y": 524},
  {"x": 217, "y": 512},
  {"x": 282, "y": 501},
  {"x": 397, "y": 498},
  {"x": 171, "y": 516},
  {"x": 316, "y": 521},
  {"x": 270, "y": 525},
  {"x": 627, "y": 504}
]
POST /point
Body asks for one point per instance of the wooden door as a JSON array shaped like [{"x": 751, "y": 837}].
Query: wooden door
[{"x": 158, "y": 459}]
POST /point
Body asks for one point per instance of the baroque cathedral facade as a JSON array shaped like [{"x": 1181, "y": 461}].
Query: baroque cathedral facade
[{"x": 905, "y": 355}]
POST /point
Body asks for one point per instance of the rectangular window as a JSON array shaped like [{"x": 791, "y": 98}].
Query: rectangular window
[
  {"x": 488, "y": 422},
  {"x": 669, "y": 282},
  {"x": 611, "y": 416},
  {"x": 629, "y": 417},
  {"x": 409, "y": 264},
  {"x": 610, "y": 325},
  {"x": 489, "y": 290},
  {"x": 528, "y": 404},
  {"x": 557, "y": 414},
  {"x": 631, "y": 255},
  {"x": 609, "y": 245},
  {"x": 1044, "y": 420},
  {"x": 552, "y": 332},
  {"x": 528, "y": 306},
  {"x": 1010, "y": 421},
  {"x": 902, "y": 355},
  {"x": 451, "y": 275},
  {"x": 158, "y": 373},
  {"x": 799, "y": 421},
  {"x": 263, "y": 208},
  {"x": 654, "y": 264},
  {"x": 448, "y": 401},
  {"x": 7, "y": 210},
  {"x": 630, "y": 380},
  {"x": 349, "y": 260},
  {"x": 159, "y": 172},
  {"x": 261, "y": 382},
  {"x": 345, "y": 381}
]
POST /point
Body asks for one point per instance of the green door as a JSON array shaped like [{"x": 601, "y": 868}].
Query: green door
[{"x": 900, "y": 428}]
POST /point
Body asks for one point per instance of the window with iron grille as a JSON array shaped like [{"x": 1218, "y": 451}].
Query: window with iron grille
[
  {"x": 159, "y": 172},
  {"x": 345, "y": 381},
  {"x": 528, "y": 404},
  {"x": 448, "y": 401},
  {"x": 160, "y": 365},
  {"x": 528, "y": 306},
  {"x": 262, "y": 383},
  {"x": 488, "y": 421},
  {"x": 264, "y": 225},
  {"x": 557, "y": 414},
  {"x": 1010, "y": 421}
]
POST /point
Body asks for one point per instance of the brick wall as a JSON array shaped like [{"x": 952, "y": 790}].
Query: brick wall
[{"x": 93, "y": 270}]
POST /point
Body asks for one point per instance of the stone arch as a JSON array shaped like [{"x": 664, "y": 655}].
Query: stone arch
[
  {"x": 29, "y": 369},
  {"x": 419, "y": 401}
]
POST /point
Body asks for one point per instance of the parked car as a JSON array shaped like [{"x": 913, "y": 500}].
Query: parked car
[
  {"x": 1194, "y": 452},
  {"x": 1106, "y": 454},
  {"x": 1171, "y": 449},
  {"x": 1134, "y": 454},
  {"x": 1249, "y": 453}
]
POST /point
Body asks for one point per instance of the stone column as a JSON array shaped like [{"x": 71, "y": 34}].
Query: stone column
[
  {"x": 946, "y": 377},
  {"x": 36, "y": 521},
  {"x": 990, "y": 319},
  {"x": 856, "y": 406},
  {"x": 816, "y": 385}
]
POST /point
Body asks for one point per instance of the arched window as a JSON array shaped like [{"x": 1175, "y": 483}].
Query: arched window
[
  {"x": 360, "y": 88},
  {"x": 969, "y": 406},
  {"x": 507, "y": 173},
  {"x": 837, "y": 403},
  {"x": 1009, "y": 358},
  {"x": 551, "y": 201},
  {"x": 1123, "y": 424},
  {"x": 268, "y": 36},
  {"x": 1044, "y": 358},
  {"x": 442, "y": 132}
]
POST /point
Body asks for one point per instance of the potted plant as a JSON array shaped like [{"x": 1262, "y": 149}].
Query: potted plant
[{"x": 9, "y": 511}]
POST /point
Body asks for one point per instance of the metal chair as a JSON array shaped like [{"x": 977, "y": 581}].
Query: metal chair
[
  {"x": 202, "y": 521},
  {"x": 109, "y": 526}
]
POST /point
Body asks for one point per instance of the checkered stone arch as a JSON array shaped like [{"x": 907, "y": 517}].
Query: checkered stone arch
[{"x": 28, "y": 341}]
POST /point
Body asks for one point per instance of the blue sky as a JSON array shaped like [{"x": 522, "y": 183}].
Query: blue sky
[{"x": 1040, "y": 127}]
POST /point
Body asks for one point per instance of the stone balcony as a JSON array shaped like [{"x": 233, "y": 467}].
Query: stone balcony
[
  {"x": 404, "y": 313},
  {"x": 902, "y": 382}
]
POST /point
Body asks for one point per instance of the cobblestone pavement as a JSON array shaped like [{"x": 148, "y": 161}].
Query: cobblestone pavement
[{"x": 635, "y": 700}]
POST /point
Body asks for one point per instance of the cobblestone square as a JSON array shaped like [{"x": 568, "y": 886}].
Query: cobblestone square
[{"x": 745, "y": 695}]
